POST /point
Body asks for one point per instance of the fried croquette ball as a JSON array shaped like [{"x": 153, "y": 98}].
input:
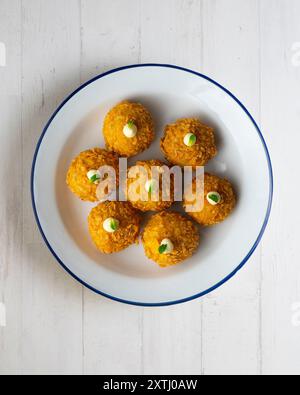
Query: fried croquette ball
[
  {"x": 218, "y": 200},
  {"x": 146, "y": 190},
  {"x": 83, "y": 176},
  {"x": 188, "y": 142},
  {"x": 169, "y": 238},
  {"x": 114, "y": 226},
  {"x": 128, "y": 129}
]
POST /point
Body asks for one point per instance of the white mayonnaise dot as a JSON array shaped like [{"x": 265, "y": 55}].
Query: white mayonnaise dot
[
  {"x": 110, "y": 225},
  {"x": 169, "y": 246},
  {"x": 130, "y": 130},
  {"x": 213, "y": 198},
  {"x": 190, "y": 139}
]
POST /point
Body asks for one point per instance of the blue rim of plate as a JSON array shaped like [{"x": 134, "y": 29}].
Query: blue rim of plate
[{"x": 267, "y": 216}]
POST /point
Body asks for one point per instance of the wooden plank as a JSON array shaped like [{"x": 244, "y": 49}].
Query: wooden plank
[
  {"x": 171, "y": 33},
  {"x": 281, "y": 249},
  {"x": 172, "y": 340},
  {"x": 10, "y": 189},
  {"x": 112, "y": 331},
  {"x": 51, "y": 316},
  {"x": 231, "y": 315},
  {"x": 51, "y": 309}
]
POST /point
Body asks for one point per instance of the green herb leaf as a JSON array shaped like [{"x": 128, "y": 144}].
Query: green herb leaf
[
  {"x": 130, "y": 123},
  {"x": 192, "y": 140},
  {"x": 162, "y": 248},
  {"x": 94, "y": 178},
  {"x": 114, "y": 225},
  {"x": 214, "y": 198}
]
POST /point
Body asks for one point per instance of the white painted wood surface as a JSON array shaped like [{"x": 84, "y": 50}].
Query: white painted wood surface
[{"x": 249, "y": 326}]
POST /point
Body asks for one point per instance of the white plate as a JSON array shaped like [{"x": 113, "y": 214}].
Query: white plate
[{"x": 170, "y": 93}]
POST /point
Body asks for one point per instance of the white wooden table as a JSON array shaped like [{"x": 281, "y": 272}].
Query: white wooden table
[{"x": 52, "y": 324}]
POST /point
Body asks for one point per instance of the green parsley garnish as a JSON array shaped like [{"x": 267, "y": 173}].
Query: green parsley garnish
[
  {"x": 214, "y": 198},
  {"x": 94, "y": 178},
  {"x": 130, "y": 123},
  {"x": 114, "y": 225},
  {"x": 192, "y": 140},
  {"x": 162, "y": 249}
]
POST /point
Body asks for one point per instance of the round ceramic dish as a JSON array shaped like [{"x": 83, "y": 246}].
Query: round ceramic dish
[{"x": 169, "y": 92}]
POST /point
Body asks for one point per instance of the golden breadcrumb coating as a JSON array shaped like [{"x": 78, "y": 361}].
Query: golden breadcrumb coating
[
  {"x": 124, "y": 236},
  {"x": 170, "y": 225},
  {"x": 212, "y": 215},
  {"x": 92, "y": 159},
  {"x": 149, "y": 204},
  {"x": 115, "y": 121},
  {"x": 178, "y": 153}
]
